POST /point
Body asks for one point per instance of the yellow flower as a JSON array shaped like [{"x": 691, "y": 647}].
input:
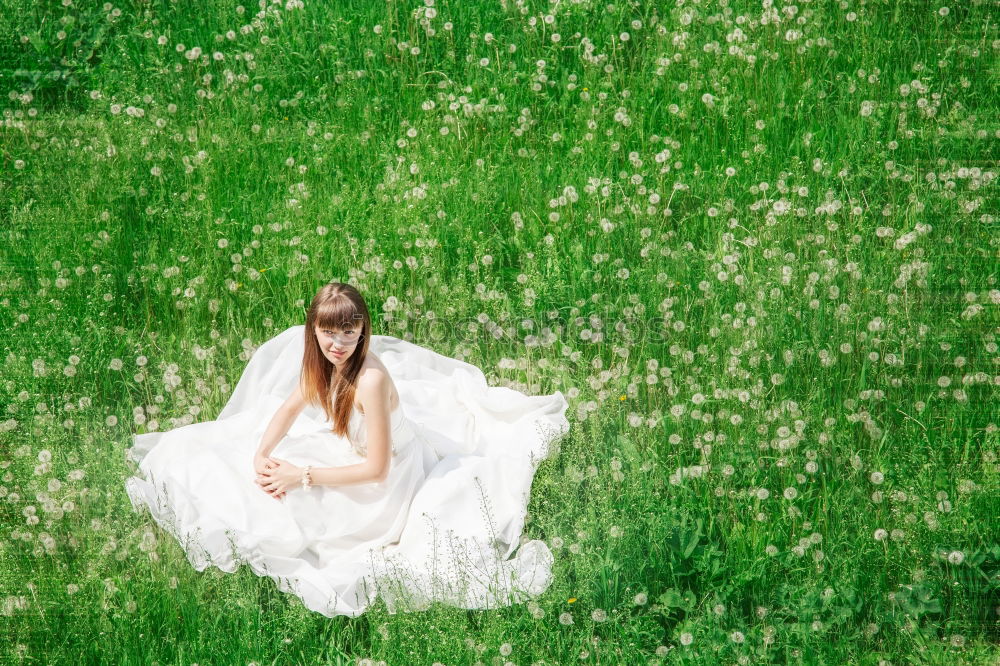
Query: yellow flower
[
  {"x": 621, "y": 397},
  {"x": 571, "y": 600}
]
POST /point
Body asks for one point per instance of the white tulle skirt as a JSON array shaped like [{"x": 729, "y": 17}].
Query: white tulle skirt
[{"x": 442, "y": 527}]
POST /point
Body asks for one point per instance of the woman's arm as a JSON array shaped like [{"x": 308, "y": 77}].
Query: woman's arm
[
  {"x": 347, "y": 475},
  {"x": 280, "y": 423},
  {"x": 283, "y": 476},
  {"x": 374, "y": 395}
]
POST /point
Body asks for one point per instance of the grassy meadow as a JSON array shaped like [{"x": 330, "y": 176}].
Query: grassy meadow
[{"x": 755, "y": 245}]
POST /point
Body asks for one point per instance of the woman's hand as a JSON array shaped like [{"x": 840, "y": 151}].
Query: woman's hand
[
  {"x": 279, "y": 476},
  {"x": 261, "y": 463}
]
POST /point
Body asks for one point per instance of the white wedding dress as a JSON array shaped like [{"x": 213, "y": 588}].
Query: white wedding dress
[{"x": 441, "y": 527}]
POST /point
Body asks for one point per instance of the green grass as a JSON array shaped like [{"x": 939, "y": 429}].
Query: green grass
[{"x": 742, "y": 350}]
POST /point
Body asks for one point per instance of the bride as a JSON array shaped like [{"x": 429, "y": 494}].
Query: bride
[{"x": 348, "y": 466}]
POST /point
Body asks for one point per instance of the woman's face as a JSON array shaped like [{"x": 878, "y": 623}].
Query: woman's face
[{"x": 338, "y": 344}]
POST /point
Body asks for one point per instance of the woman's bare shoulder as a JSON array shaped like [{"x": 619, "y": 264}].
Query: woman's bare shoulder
[
  {"x": 373, "y": 373},
  {"x": 373, "y": 370}
]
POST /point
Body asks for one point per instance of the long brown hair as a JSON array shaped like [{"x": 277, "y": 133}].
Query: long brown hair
[{"x": 336, "y": 305}]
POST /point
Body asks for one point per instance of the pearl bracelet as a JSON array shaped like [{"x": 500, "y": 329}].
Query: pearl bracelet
[{"x": 306, "y": 478}]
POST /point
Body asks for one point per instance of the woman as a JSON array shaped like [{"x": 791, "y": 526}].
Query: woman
[{"x": 348, "y": 466}]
